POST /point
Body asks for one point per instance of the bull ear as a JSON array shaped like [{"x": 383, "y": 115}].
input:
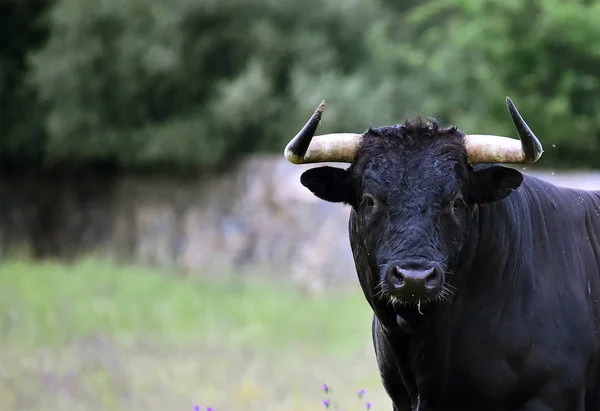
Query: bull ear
[
  {"x": 494, "y": 183},
  {"x": 329, "y": 183}
]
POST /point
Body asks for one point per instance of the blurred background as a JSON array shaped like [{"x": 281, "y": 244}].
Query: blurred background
[{"x": 157, "y": 251}]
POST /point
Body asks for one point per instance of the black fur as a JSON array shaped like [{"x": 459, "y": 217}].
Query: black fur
[{"x": 517, "y": 325}]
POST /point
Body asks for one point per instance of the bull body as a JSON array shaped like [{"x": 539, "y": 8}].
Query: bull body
[
  {"x": 523, "y": 329},
  {"x": 484, "y": 283}
]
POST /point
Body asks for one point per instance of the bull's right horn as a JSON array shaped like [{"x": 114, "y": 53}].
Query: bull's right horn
[{"x": 305, "y": 147}]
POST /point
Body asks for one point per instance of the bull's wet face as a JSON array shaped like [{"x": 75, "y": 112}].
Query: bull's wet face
[
  {"x": 413, "y": 218},
  {"x": 413, "y": 198}
]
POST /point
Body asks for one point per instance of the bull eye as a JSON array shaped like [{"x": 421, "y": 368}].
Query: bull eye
[
  {"x": 368, "y": 201},
  {"x": 457, "y": 204}
]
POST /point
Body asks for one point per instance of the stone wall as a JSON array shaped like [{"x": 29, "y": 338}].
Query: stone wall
[{"x": 256, "y": 216}]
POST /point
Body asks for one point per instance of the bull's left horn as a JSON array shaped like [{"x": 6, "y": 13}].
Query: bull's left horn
[
  {"x": 496, "y": 149},
  {"x": 305, "y": 147}
]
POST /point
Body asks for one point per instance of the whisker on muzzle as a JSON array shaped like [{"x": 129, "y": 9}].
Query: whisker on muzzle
[
  {"x": 444, "y": 296},
  {"x": 449, "y": 287},
  {"x": 379, "y": 292}
]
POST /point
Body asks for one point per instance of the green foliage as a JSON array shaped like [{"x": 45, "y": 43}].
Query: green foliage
[
  {"x": 22, "y": 134},
  {"x": 543, "y": 54},
  {"x": 186, "y": 84}
]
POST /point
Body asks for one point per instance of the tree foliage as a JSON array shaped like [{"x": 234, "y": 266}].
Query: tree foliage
[
  {"x": 22, "y": 134},
  {"x": 544, "y": 54},
  {"x": 183, "y": 84}
]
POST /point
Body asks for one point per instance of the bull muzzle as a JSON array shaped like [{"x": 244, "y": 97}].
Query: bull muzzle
[{"x": 305, "y": 147}]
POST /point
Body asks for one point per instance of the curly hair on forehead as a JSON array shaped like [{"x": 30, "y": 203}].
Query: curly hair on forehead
[{"x": 414, "y": 133}]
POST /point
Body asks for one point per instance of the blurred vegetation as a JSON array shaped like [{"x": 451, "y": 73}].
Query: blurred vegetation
[
  {"x": 49, "y": 304},
  {"x": 182, "y": 84},
  {"x": 93, "y": 335}
]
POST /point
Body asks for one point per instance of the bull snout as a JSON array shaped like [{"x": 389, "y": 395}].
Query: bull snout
[{"x": 413, "y": 281}]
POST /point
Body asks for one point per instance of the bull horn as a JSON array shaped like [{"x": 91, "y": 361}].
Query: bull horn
[
  {"x": 495, "y": 149},
  {"x": 305, "y": 147}
]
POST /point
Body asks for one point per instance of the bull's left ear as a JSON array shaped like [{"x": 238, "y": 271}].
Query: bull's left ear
[
  {"x": 494, "y": 183},
  {"x": 329, "y": 184}
]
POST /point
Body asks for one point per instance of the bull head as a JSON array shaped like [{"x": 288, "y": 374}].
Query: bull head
[{"x": 305, "y": 147}]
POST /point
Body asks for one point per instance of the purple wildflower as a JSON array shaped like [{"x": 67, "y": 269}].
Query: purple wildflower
[
  {"x": 368, "y": 405},
  {"x": 326, "y": 403},
  {"x": 326, "y": 388},
  {"x": 209, "y": 409},
  {"x": 361, "y": 393},
  {"x": 196, "y": 407}
]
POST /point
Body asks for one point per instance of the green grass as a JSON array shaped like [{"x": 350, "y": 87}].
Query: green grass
[
  {"x": 93, "y": 336},
  {"x": 57, "y": 302}
]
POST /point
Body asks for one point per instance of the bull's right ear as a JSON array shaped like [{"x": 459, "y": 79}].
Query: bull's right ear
[{"x": 329, "y": 183}]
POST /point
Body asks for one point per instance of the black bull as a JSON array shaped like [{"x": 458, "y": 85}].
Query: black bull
[{"x": 484, "y": 283}]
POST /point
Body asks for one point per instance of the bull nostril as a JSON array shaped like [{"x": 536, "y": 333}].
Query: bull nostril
[
  {"x": 395, "y": 276},
  {"x": 433, "y": 279},
  {"x": 398, "y": 274}
]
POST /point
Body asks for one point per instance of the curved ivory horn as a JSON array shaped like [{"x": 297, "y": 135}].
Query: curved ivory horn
[
  {"x": 305, "y": 147},
  {"x": 496, "y": 149}
]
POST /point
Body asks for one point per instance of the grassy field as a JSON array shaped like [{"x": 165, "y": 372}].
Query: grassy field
[{"x": 94, "y": 336}]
